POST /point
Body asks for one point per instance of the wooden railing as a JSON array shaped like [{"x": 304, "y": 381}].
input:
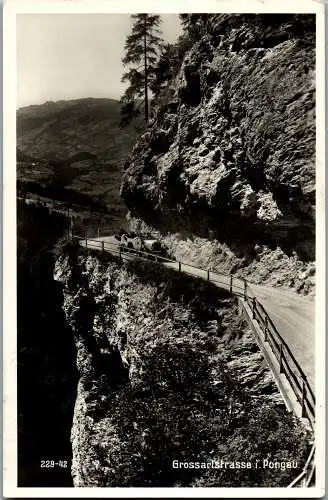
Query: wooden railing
[
  {"x": 306, "y": 477},
  {"x": 288, "y": 364},
  {"x": 233, "y": 284}
]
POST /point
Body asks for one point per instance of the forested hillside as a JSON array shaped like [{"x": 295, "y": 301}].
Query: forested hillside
[{"x": 79, "y": 143}]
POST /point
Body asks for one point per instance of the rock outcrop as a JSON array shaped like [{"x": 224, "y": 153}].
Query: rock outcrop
[
  {"x": 168, "y": 368},
  {"x": 230, "y": 155}
]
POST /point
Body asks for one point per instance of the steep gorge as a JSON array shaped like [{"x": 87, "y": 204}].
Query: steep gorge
[
  {"x": 46, "y": 371},
  {"x": 137, "y": 366},
  {"x": 168, "y": 370},
  {"x": 226, "y": 170}
]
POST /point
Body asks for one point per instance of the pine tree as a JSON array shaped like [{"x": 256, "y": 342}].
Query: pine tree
[
  {"x": 141, "y": 53},
  {"x": 167, "y": 66},
  {"x": 194, "y": 24}
]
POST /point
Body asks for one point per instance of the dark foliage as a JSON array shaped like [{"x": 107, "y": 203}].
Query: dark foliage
[
  {"x": 60, "y": 193},
  {"x": 186, "y": 403},
  {"x": 167, "y": 66},
  {"x": 177, "y": 413}
]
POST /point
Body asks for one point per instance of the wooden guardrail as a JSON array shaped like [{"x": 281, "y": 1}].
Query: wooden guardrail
[
  {"x": 306, "y": 477},
  {"x": 235, "y": 285},
  {"x": 288, "y": 365}
]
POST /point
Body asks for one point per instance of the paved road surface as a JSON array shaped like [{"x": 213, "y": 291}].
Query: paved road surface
[
  {"x": 292, "y": 314},
  {"x": 294, "y": 317}
]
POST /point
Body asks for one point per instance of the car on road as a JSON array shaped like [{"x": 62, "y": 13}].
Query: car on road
[{"x": 136, "y": 243}]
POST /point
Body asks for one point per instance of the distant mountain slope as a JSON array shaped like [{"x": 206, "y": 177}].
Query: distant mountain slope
[
  {"x": 22, "y": 157},
  {"x": 64, "y": 128},
  {"x": 86, "y": 130}
]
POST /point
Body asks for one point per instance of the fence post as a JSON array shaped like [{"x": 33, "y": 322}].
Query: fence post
[
  {"x": 86, "y": 240},
  {"x": 102, "y": 246},
  {"x": 245, "y": 289},
  {"x": 208, "y": 275},
  {"x": 230, "y": 287},
  {"x": 253, "y": 306},
  {"x": 265, "y": 328},
  {"x": 281, "y": 369},
  {"x": 98, "y": 232},
  {"x": 303, "y": 397},
  {"x": 179, "y": 267}
]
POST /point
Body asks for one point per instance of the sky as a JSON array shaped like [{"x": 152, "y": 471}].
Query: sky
[{"x": 68, "y": 56}]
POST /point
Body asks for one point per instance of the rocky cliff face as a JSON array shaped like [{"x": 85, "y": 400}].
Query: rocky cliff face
[
  {"x": 168, "y": 370},
  {"x": 230, "y": 155}
]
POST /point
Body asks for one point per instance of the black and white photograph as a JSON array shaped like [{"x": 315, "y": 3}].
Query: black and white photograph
[{"x": 164, "y": 328}]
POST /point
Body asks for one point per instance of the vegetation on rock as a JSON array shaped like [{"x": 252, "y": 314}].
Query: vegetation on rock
[{"x": 168, "y": 371}]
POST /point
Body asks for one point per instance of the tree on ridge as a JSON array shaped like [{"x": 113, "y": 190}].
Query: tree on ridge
[{"x": 142, "y": 48}]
